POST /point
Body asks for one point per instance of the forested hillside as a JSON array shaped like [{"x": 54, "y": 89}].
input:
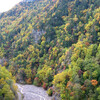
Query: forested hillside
[
  {"x": 7, "y": 87},
  {"x": 54, "y": 44}
]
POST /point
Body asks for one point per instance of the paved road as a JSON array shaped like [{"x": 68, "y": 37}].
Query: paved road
[{"x": 31, "y": 92}]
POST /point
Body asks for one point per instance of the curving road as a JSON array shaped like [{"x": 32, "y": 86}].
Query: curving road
[{"x": 31, "y": 92}]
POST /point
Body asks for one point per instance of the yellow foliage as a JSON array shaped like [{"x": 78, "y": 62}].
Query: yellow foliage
[
  {"x": 75, "y": 18},
  {"x": 60, "y": 78},
  {"x": 67, "y": 24}
]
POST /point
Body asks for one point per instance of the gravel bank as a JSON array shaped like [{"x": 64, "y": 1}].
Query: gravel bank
[{"x": 31, "y": 92}]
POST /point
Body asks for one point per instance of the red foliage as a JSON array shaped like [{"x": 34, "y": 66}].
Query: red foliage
[
  {"x": 36, "y": 78},
  {"x": 53, "y": 0},
  {"x": 44, "y": 86},
  {"x": 64, "y": 68},
  {"x": 72, "y": 47},
  {"x": 72, "y": 94}
]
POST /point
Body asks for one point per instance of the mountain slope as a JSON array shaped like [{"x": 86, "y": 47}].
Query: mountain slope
[{"x": 54, "y": 44}]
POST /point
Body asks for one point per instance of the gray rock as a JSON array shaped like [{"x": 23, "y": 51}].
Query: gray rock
[
  {"x": 31, "y": 92},
  {"x": 37, "y": 34}
]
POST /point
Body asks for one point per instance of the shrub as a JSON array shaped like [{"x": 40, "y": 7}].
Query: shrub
[
  {"x": 37, "y": 82},
  {"x": 50, "y": 92},
  {"x": 45, "y": 85}
]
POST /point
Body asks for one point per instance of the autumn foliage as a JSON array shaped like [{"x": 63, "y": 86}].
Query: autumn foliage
[{"x": 94, "y": 82}]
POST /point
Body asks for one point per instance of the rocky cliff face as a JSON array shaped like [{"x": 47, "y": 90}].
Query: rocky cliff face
[{"x": 37, "y": 34}]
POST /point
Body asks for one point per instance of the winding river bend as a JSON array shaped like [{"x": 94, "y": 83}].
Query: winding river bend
[{"x": 31, "y": 92}]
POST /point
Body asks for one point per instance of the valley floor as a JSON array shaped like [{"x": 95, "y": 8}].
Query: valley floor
[{"x": 31, "y": 92}]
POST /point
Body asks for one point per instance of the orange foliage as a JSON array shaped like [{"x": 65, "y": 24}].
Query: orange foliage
[
  {"x": 7, "y": 31},
  {"x": 5, "y": 64},
  {"x": 69, "y": 84},
  {"x": 28, "y": 81},
  {"x": 87, "y": 43},
  {"x": 83, "y": 87},
  {"x": 94, "y": 82}
]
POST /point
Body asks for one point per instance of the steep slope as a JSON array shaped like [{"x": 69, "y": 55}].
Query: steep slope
[
  {"x": 7, "y": 87},
  {"x": 20, "y": 22},
  {"x": 54, "y": 44}
]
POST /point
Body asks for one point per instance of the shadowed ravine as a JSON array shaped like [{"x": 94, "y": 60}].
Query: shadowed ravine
[{"x": 31, "y": 92}]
